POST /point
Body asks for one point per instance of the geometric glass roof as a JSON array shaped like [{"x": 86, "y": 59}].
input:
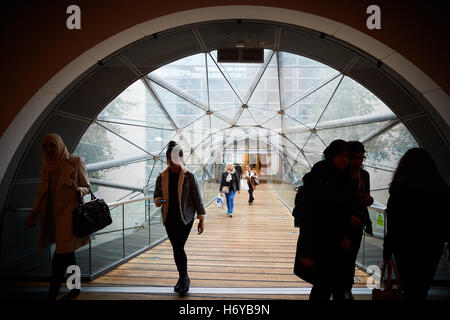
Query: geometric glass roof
[{"x": 291, "y": 105}]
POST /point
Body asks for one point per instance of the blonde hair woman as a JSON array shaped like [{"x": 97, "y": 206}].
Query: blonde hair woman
[
  {"x": 64, "y": 180},
  {"x": 230, "y": 183}
]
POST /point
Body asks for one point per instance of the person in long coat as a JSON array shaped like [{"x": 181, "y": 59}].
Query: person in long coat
[
  {"x": 250, "y": 176},
  {"x": 64, "y": 180},
  {"x": 418, "y": 222},
  {"x": 324, "y": 238}
]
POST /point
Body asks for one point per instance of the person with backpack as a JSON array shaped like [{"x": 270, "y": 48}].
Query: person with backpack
[{"x": 325, "y": 222}]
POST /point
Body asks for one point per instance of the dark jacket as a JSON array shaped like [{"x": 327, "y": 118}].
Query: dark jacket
[
  {"x": 418, "y": 222},
  {"x": 189, "y": 195},
  {"x": 361, "y": 210},
  {"x": 327, "y": 219},
  {"x": 234, "y": 184}
]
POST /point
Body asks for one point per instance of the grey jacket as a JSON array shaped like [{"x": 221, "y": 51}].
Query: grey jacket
[{"x": 189, "y": 196}]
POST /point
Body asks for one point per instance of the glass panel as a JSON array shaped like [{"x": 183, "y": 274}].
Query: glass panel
[
  {"x": 134, "y": 175},
  {"x": 266, "y": 95},
  {"x": 157, "y": 230},
  {"x": 149, "y": 139},
  {"x": 309, "y": 109},
  {"x": 352, "y": 99},
  {"x": 350, "y": 133},
  {"x": 290, "y": 124},
  {"x": 107, "y": 244},
  {"x": 379, "y": 178},
  {"x": 221, "y": 95},
  {"x": 242, "y": 75},
  {"x": 135, "y": 105},
  {"x": 181, "y": 111},
  {"x": 229, "y": 114},
  {"x": 386, "y": 149},
  {"x": 197, "y": 131},
  {"x": 314, "y": 144},
  {"x": 136, "y": 226},
  {"x": 187, "y": 75},
  {"x": 261, "y": 115},
  {"x": 98, "y": 144},
  {"x": 313, "y": 158},
  {"x": 157, "y": 168},
  {"x": 298, "y": 75},
  {"x": 218, "y": 124},
  {"x": 274, "y": 123},
  {"x": 246, "y": 119},
  {"x": 298, "y": 138}
]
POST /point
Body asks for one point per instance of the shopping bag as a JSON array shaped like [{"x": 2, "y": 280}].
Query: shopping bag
[
  {"x": 244, "y": 184},
  {"x": 388, "y": 293},
  {"x": 220, "y": 200}
]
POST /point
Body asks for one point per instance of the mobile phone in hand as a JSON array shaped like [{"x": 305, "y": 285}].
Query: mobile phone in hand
[{"x": 162, "y": 201}]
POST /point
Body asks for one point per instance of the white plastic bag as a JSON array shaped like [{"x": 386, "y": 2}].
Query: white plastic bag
[
  {"x": 220, "y": 200},
  {"x": 244, "y": 184}
]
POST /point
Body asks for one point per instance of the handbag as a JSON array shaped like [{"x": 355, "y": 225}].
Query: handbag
[
  {"x": 226, "y": 189},
  {"x": 388, "y": 293},
  {"x": 256, "y": 181},
  {"x": 90, "y": 217}
]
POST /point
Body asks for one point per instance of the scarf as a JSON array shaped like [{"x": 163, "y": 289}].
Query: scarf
[
  {"x": 229, "y": 177},
  {"x": 55, "y": 166}
]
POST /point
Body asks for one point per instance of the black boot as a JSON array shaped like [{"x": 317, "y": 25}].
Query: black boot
[{"x": 184, "y": 287}]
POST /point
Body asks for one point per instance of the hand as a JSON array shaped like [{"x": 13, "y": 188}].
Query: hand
[
  {"x": 157, "y": 203},
  {"x": 71, "y": 185},
  {"x": 356, "y": 222},
  {"x": 239, "y": 192},
  {"x": 366, "y": 199},
  {"x": 345, "y": 244},
  {"x": 31, "y": 221},
  {"x": 201, "y": 226},
  {"x": 307, "y": 262}
]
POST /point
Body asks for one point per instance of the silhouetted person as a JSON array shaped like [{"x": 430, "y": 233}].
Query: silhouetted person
[
  {"x": 64, "y": 180},
  {"x": 325, "y": 228},
  {"x": 231, "y": 180},
  {"x": 178, "y": 192},
  {"x": 360, "y": 214},
  {"x": 250, "y": 175},
  {"x": 418, "y": 221}
]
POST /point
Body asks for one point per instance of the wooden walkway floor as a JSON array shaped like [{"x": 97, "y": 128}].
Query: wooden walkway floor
[{"x": 253, "y": 249}]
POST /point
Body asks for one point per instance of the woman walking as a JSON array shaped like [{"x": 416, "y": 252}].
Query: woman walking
[
  {"x": 64, "y": 180},
  {"x": 324, "y": 239},
  {"x": 178, "y": 192},
  {"x": 360, "y": 218},
  {"x": 250, "y": 176},
  {"x": 418, "y": 222},
  {"x": 230, "y": 184}
]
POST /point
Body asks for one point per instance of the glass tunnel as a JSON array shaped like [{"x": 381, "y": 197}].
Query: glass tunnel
[{"x": 277, "y": 116}]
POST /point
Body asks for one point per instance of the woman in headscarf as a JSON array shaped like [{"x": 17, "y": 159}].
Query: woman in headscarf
[
  {"x": 231, "y": 182},
  {"x": 64, "y": 181}
]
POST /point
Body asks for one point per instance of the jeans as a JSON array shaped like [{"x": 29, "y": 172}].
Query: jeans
[{"x": 230, "y": 200}]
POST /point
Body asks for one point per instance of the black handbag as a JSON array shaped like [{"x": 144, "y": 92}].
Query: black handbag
[{"x": 90, "y": 217}]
